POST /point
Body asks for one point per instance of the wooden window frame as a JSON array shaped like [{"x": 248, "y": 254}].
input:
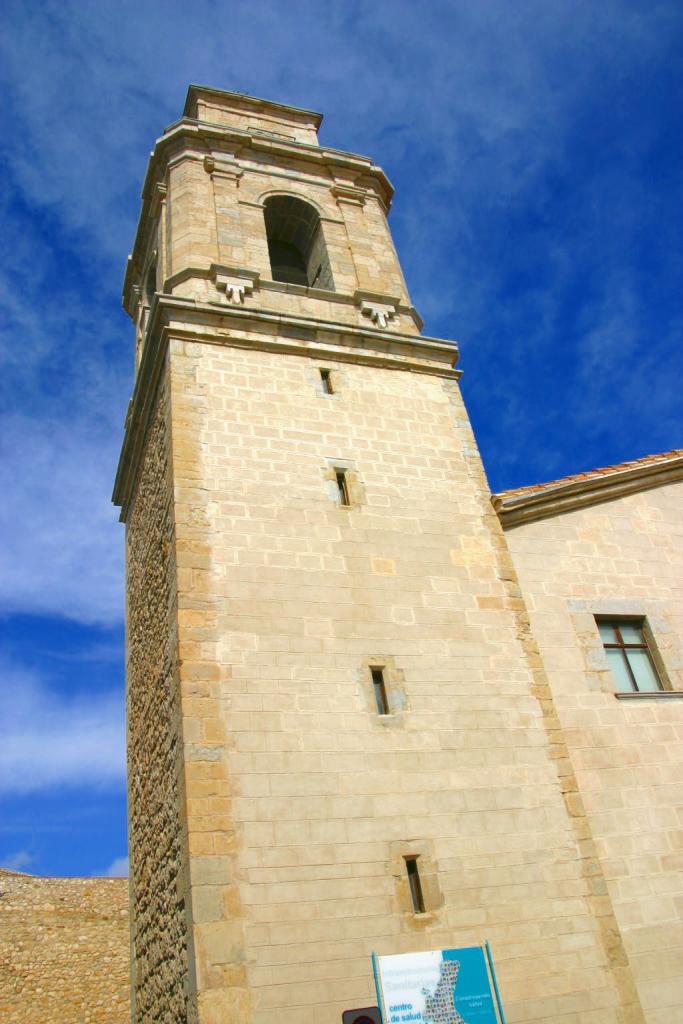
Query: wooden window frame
[{"x": 623, "y": 646}]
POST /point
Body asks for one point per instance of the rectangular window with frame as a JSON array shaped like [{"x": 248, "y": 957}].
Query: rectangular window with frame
[
  {"x": 415, "y": 885},
  {"x": 326, "y": 380},
  {"x": 629, "y": 656}
]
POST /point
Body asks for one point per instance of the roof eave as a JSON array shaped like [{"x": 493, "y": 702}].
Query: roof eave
[{"x": 568, "y": 496}]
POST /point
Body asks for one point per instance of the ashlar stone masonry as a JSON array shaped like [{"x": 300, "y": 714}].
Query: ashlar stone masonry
[{"x": 305, "y": 507}]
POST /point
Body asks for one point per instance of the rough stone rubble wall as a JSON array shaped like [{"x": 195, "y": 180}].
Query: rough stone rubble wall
[
  {"x": 158, "y": 933},
  {"x": 63, "y": 950}
]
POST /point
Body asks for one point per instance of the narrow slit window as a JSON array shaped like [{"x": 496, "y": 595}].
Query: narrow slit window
[
  {"x": 343, "y": 487},
  {"x": 380, "y": 689},
  {"x": 415, "y": 885},
  {"x": 326, "y": 378}
]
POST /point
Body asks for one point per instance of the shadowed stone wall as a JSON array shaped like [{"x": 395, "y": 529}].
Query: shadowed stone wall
[{"x": 158, "y": 932}]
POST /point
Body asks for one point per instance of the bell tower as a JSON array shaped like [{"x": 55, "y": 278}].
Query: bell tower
[{"x": 339, "y": 739}]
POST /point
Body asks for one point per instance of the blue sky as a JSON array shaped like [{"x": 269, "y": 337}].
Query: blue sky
[{"x": 536, "y": 151}]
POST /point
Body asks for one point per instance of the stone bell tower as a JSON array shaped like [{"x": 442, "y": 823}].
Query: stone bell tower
[{"x": 340, "y": 739}]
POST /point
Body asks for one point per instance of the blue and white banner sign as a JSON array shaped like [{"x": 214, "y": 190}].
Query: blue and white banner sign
[{"x": 448, "y": 986}]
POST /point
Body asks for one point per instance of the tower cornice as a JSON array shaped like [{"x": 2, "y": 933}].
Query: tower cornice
[
  {"x": 243, "y": 100},
  {"x": 237, "y": 326},
  {"x": 557, "y": 497}
]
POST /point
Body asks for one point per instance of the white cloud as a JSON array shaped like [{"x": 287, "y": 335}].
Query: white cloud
[
  {"x": 470, "y": 106},
  {"x": 117, "y": 869},
  {"x": 17, "y": 861},
  {"x": 52, "y": 741},
  {"x": 486, "y": 83},
  {"x": 61, "y": 547},
  {"x": 62, "y": 550}
]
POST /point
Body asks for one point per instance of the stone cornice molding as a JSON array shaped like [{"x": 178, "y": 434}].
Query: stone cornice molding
[
  {"x": 240, "y": 327},
  {"x": 569, "y": 495},
  {"x": 266, "y": 285},
  {"x": 247, "y": 102}
]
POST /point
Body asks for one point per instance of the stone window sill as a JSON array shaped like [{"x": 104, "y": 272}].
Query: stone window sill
[{"x": 661, "y": 695}]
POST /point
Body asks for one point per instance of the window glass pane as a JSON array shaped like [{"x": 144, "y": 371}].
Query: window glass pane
[
  {"x": 607, "y": 633},
  {"x": 631, "y": 633},
  {"x": 619, "y": 670},
  {"x": 643, "y": 670}
]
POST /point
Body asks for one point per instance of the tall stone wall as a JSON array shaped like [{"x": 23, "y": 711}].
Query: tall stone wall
[
  {"x": 63, "y": 950},
  {"x": 620, "y": 558},
  {"x": 303, "y": 803},
  {"x": 155, "y": 778}
]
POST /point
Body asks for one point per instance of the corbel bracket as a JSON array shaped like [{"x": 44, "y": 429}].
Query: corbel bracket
[
  {"x": 222, "y": 166},
  {"x": 349, "y": 194},
  {"x": 235, "y": 282},
  {"x": 158, "y": 198},
  {"x": 381, "y": 309}
]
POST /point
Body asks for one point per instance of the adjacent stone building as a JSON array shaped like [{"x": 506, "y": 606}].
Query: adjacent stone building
[
  {"x": 595, "y": 551},
  {"x": 347, "y": 732}
]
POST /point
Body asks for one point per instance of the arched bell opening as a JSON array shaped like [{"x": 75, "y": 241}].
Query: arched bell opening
[{"x": 296, "y": 245}]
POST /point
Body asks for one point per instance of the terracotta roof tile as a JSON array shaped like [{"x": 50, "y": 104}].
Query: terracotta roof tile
[{"x": 593, "y": 473}]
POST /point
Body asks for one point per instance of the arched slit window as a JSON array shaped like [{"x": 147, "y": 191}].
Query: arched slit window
[{"x": 295, "y": 243}]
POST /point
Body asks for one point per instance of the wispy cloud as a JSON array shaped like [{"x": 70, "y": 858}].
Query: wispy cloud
[
  {"x": 535, "y": 154},
  {"x": 51, "y": 740},
  {"x": 17, "y": 861},
  {"x": 62, "y": 550},
  {"x": 528, "y": 146},
  {"x": 117, "y": 869}
]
